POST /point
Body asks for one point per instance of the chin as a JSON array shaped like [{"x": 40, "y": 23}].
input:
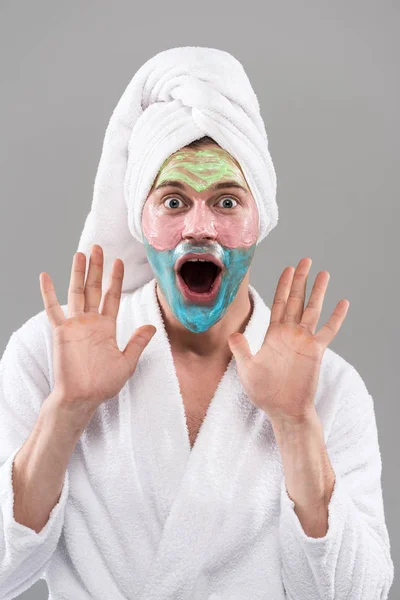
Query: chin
[{"x": 199, "y": 328}]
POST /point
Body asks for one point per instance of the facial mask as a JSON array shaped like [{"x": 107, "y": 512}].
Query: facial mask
[{"x": 223, "y": 224}]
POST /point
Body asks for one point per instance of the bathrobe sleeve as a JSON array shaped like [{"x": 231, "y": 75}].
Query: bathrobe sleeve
[
  {"x": 24, "y": 554},
  {"x": 353, "y": 559}
]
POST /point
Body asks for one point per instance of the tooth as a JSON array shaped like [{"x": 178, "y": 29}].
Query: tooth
[{"x": 196, "y": 260}]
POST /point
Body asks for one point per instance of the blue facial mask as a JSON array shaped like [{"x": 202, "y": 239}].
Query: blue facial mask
[{"x": 199, "y": 317}]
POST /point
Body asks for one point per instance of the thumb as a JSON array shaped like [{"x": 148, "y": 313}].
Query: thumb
[
  {"x": 239, "y": 347},
  {"x": 137, "y": 343}
]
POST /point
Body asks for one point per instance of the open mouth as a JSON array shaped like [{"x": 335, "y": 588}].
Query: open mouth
[
  {"x": 199, "y": 276},
  {"x": 199, "y": 280}
]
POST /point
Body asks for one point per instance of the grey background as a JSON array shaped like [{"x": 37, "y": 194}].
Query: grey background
[{"x": 326, "y": 75}]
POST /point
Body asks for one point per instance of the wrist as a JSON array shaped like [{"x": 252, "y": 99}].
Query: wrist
[
  {"x": 289, "y": 426},
  {"x": 66, "y": 417}
]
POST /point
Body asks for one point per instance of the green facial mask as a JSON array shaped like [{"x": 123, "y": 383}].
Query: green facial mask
[{"x": 201, "y": 169}]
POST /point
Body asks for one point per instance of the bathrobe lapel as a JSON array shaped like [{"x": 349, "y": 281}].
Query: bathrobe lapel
[{"x": 193, "y": 484}]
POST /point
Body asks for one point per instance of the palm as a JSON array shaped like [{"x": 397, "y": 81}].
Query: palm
[
  {"x": 289, "y": 359},
  {"x": 87, "y": 357},
  {"x": 282, "y": 377}
]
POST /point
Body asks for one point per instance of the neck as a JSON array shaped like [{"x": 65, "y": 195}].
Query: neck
[{"x": 214, "y": 341}]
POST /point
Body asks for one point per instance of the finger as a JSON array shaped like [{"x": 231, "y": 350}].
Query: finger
[
  {"x": 112, "y": 296},
  {"x": 137, "y": 343},
  {"x": 76, "y": 299},
  {"x": 94, "y": 279},
  {"x": 328, "y": 331},
  {"x": 52, "y": 306},
  {"x": 239, "y": 347},
  {"x": 281, "y": 295},
  {"x": 312, "y": 312},
  {"x": 295, "y": 301}
]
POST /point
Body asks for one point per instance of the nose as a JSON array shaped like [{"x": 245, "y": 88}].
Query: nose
[{"x": 199, "y": 223}]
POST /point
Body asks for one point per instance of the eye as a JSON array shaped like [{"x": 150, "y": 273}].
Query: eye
[
  {"x": 175, "y": 200},
  {"x": 229, "y": 199}
]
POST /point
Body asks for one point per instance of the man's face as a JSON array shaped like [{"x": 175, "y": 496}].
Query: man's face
[{"x": 219, "y": 226}]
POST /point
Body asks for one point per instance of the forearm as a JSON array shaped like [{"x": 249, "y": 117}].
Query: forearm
[
  {"x": 40, "y": 465},
  {"x": 308, "y": 472}
]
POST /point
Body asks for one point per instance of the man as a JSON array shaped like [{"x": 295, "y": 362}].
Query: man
[{"x": 226, "y": 452}]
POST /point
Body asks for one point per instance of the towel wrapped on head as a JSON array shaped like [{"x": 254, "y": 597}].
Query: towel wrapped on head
[{"x": 176, "y": 97}]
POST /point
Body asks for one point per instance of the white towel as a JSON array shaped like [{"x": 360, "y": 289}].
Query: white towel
[{"x": 179, "y": 95}]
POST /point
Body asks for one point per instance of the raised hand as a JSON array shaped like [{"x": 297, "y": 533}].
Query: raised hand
[
  {"x": 282, "y": 377},
  {"x": 89, "y": 367}
]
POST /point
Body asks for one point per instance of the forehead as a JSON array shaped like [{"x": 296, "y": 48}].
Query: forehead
[
  {"x": 200, "y": 167},
  {"x": 210, "y": 153}
]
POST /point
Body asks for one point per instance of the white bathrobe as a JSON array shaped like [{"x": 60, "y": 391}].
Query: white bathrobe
[{"x": 141, "y": 516}]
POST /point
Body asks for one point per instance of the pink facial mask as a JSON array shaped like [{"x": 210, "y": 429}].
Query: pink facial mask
[{"x": 200, "y": 170}]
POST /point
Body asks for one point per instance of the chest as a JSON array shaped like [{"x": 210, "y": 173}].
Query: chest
[{"x": 198, "y": 382}]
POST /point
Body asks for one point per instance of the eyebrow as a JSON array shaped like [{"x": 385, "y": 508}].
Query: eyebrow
[{"x": 217, "y": 186}]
